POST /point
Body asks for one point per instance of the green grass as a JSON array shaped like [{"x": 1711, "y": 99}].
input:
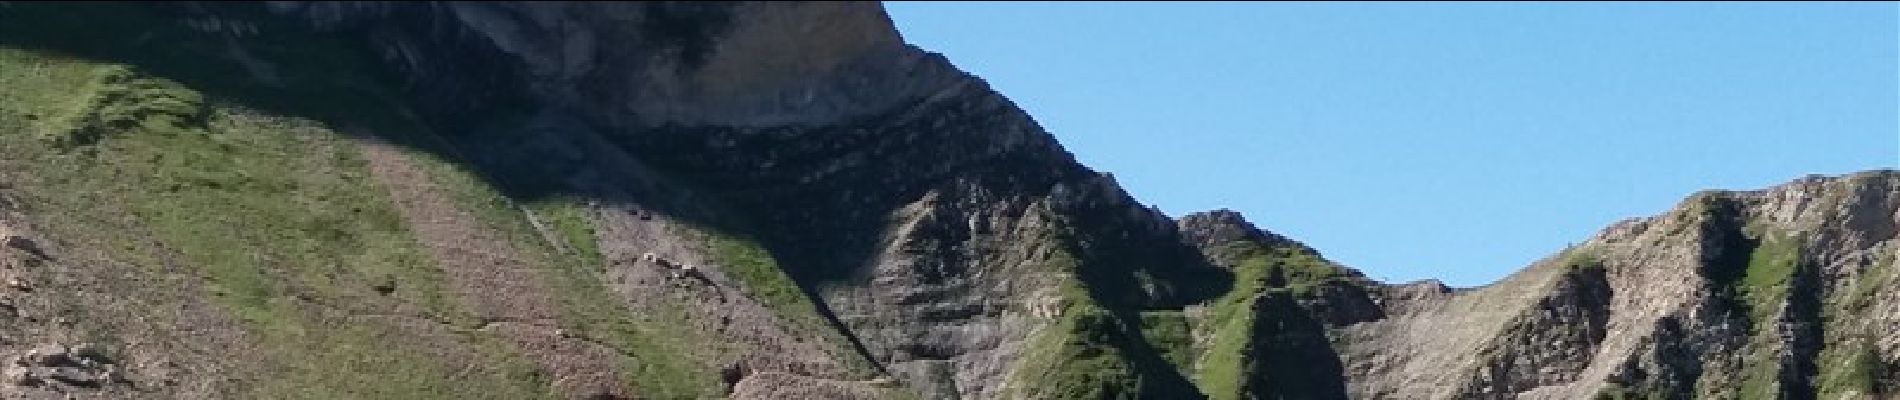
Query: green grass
[
  {"x": 1764, "y": 284},
  {"x": 1092, "y": 352},
  {"x": 1763, "y": 289},
  {"x": 1582, "y": 259},
  {"x": 759, "y": 272},
  {"x": 1222, "y": 364},
  {"x": 569, "y": 220},
  {"x": 1620, "y": 392},
  {"x": 1850, "y": 367},
  {"x": 1075, "y": 359},
  {"x": 1072, "y": 358},
  {"x": 117, "y": 100},
  {"x": 1761, "y": 375},
  {"x": 1083, "y": 366},
  {"x": 756, "y": 269},
  {"x": 1169, "y": 331},
  {"x": 1230, "y": 318}
]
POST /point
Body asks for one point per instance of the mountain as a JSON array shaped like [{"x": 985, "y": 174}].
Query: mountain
[{"x": 769, "y": 200}]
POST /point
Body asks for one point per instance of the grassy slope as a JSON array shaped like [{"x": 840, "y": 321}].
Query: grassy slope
[
  {"x": 1230, "y": 319},
  {"x": 1764, "y": 289},
  {"x": 1076, "y": 356},
  {"x": 1080, "y": 356},
  {"x": 1171, "y": 334},
  {"x": 269, "y": 209},
  {"x": 1072, "y": 358},
  {"x": 272, "y": 207}
]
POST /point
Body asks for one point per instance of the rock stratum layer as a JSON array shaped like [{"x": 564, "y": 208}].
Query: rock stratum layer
[{"x": 773, "y": 200}]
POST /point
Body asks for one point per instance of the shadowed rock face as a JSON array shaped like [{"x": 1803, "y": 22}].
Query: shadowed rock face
[
  {"x": 646, "y": 64},
  {"x": 774, "y": 200}
]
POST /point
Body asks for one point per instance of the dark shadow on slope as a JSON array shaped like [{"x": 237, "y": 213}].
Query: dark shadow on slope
[
  {"x": 770, "y": 175},
  {"x": 825, "y": 226},
  {"x": 469, "y": 116},
  {"x": 1805, "y": 330},
  {"x": 1289, "y": 355},
  {"x": 1128, "y": 269},
  {"x": 479, "y": 118},
  {"x": 1730, "y": 257},
  {"x": 275, "y": 66},
  {"x": 1727, "y": 249}
]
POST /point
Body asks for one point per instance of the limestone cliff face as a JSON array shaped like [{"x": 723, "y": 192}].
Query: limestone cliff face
[{"x": 772, "y": 200}]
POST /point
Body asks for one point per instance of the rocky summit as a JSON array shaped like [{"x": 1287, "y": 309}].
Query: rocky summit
[{"x": 685, "y": 200}]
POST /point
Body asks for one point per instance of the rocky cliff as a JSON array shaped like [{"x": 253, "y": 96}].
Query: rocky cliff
[{"x": 771, "y": 200}]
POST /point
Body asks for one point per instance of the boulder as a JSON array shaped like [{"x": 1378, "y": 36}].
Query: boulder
[
  {"x": 13, "y": 240},
  {"x": 80, "y": 365}
]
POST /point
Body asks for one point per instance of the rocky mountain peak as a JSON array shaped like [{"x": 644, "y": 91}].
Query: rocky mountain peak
[
  {"x": 1223, "y": 226},
  {"x": 1215, "y": 230},
  {"x": 647, "y": 64}
]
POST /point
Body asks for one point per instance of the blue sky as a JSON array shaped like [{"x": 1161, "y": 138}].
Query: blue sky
[{"x": 1458, "y": 141}]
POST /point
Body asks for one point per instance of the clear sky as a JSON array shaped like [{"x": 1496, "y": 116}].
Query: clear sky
[{"x": 1458, "y": 141}]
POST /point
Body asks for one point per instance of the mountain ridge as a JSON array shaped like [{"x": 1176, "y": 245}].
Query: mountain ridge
[{"x": 773, "y": 200}]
